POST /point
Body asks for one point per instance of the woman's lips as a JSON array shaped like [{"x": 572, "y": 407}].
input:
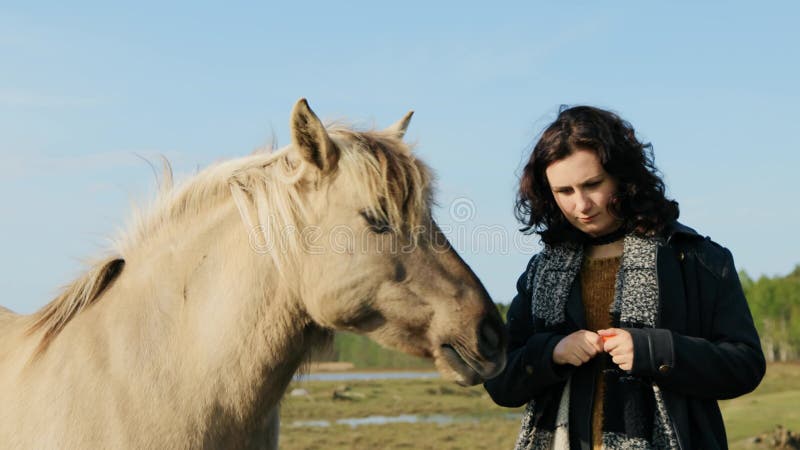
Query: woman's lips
[{"x": 587, "y": 219}]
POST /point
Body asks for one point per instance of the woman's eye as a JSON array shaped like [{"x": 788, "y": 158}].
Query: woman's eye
[{"x": 376, "y": 225}]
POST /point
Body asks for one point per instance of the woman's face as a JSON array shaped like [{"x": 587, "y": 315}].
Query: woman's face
[{"x": 583, "y": 191}]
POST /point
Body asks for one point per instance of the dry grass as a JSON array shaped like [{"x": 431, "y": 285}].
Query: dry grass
[{"x": 477, "y": 422}]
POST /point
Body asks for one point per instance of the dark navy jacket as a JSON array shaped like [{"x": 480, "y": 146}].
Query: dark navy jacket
[{"x": 704, "y": 349}]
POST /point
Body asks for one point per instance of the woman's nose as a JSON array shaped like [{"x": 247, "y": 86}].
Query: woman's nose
[{"x": 583, "y": 203}]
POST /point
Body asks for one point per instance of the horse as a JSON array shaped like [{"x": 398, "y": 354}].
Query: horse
[{"x": 189, "y": 332}]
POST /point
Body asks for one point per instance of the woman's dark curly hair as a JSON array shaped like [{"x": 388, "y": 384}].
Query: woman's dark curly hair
[{"x": 639, "y": 200}]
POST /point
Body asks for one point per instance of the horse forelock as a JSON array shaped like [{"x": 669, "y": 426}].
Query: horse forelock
[{"x": 396, "y": 184}]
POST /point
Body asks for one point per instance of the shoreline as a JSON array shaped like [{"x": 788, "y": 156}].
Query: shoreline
[{"x": 348, "y": 367}]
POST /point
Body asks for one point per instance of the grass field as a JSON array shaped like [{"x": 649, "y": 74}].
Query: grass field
[
  {"x": 452, "y": 418},
  {"x": 776, "y": 401}
]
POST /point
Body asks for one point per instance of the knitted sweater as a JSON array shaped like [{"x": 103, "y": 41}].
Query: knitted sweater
[{"x": 598, "y": 277}]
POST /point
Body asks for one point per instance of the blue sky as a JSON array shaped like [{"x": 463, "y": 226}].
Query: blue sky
[{"x": 86, "y": 87}]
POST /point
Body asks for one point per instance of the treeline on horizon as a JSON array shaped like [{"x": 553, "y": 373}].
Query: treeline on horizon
[{"x": 774, "y": 302}]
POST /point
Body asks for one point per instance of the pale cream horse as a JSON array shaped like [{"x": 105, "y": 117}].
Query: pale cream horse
[{"x": 190, "y": 334}]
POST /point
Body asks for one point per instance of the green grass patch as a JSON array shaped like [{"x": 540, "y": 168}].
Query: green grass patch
[{"x": 776, "y": 401}]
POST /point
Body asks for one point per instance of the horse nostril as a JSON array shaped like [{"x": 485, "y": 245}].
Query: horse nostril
[{"x": 490, "y": 339}]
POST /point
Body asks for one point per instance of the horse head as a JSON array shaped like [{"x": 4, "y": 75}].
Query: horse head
[{"x": 376, "y": 263}]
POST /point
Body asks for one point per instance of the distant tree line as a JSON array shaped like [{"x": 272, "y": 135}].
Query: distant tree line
[
  {"x": 775, "y": 304},
  {"x": 365, "y": 353}
]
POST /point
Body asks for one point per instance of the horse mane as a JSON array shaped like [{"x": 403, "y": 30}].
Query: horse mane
[
  {"x": 75, "y": 298},
  {"x": 265, "y": 188}
]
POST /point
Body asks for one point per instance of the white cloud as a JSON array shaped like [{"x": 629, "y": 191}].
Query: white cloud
[
  {"x": 21, "y": 164},
  {"x": 22, "y": 98}
]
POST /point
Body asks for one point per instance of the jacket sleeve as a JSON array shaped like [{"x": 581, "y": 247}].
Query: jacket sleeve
[
  {"x": 530, "y": 368},
  {"x": 727, "y": 364}
]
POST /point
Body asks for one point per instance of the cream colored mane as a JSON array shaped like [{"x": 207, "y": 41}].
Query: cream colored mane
[{"x": 266, "y": 190}]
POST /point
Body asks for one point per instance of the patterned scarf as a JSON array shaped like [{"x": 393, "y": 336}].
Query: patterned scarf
[{"x": 634, "y": 413}]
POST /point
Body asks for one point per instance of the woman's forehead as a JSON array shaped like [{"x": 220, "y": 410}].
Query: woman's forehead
[{"x": 580, "y": 166}]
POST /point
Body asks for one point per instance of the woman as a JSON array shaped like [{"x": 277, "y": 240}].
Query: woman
[{"x": 629, "y": 326}]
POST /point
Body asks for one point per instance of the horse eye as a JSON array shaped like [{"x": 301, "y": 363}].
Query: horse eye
[{"x": 376, "y": 225}]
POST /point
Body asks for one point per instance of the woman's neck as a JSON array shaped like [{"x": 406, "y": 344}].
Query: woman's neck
[{"x": 610, "y": 250}]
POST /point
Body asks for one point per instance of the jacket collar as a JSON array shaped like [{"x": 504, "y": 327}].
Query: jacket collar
[{"x": 677, "y": 229}]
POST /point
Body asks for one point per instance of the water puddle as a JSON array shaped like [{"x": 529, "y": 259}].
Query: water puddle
[
  {"x": 353, "y": 376},
  {"x": 388, "y": 420}
]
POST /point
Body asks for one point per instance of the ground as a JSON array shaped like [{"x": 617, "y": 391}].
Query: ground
[{"x": 451, "y": 417}]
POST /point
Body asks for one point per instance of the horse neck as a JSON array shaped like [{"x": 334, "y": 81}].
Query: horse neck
[{"x": 229, "y": 323}]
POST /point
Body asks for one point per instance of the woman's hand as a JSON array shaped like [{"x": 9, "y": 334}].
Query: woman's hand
[
  {"x": 577, "y": 348},
  {"x": 619, "y": 344}
]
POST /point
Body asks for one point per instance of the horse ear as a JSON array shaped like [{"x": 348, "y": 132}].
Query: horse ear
[
  {"x": 399, "y": 128},
  {"x": 310, "y": 138}
]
